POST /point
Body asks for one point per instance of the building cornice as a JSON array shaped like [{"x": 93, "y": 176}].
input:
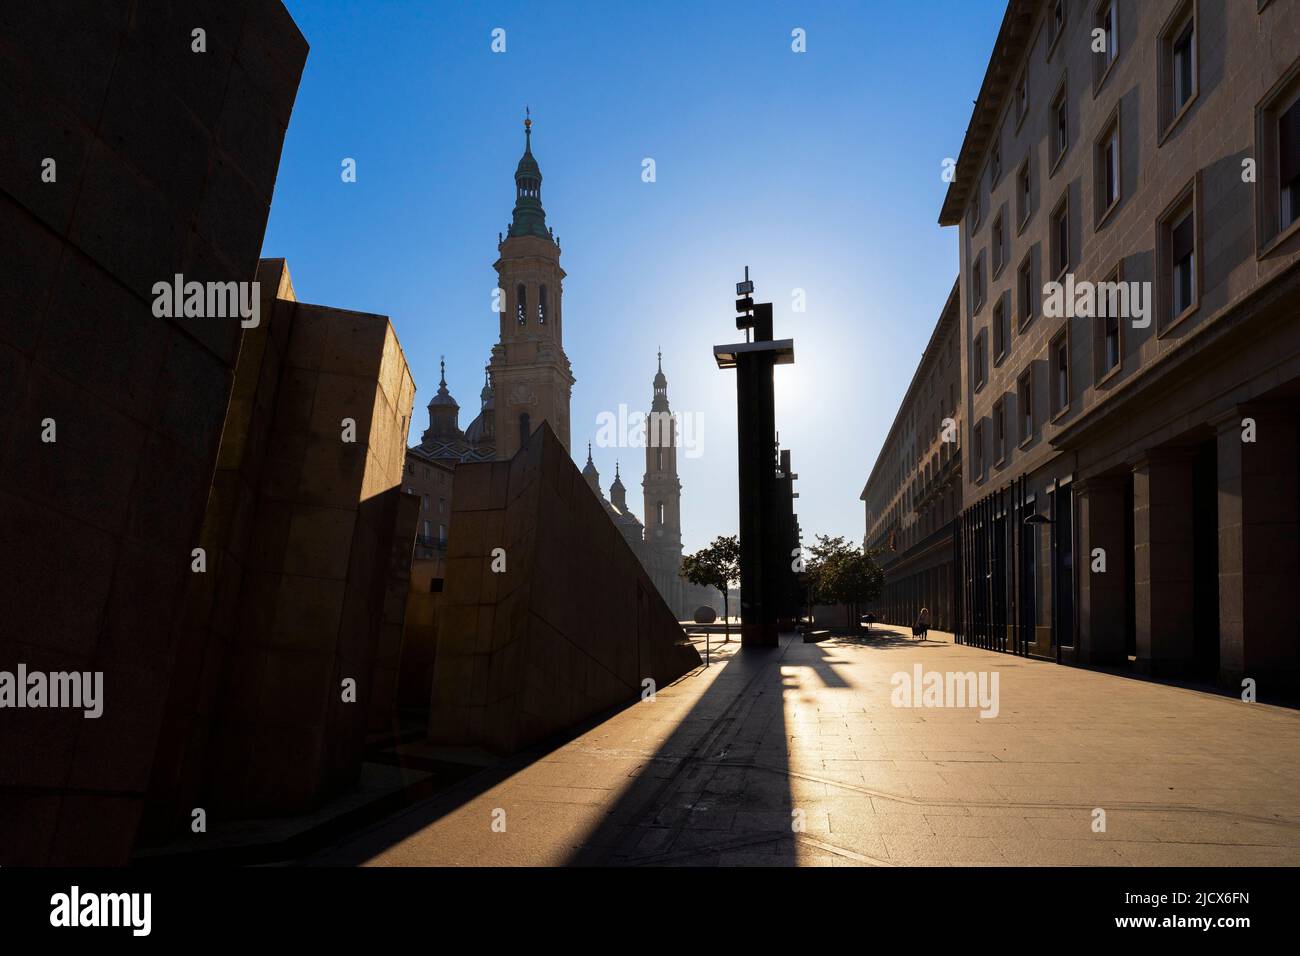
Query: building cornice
[{"x": 1014, "y": 36}]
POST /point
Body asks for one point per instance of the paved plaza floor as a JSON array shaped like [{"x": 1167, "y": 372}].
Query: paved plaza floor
[{"x": 797, "y": 756}]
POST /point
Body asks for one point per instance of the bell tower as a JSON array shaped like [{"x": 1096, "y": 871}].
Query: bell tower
[
  {"x": 532, "y": 380},
  {"x": 662, "y": 489}
]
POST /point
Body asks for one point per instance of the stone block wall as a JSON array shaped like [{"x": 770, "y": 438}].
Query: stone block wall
[{"x": 569, "y": 628}]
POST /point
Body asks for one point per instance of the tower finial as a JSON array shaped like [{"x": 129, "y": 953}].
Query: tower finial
[
  {"x": 442, "y": 366},
  {"x": 661, "y": 358},
  {"x": 589, "y": 453}
]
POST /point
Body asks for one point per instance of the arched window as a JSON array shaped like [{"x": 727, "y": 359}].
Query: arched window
[
  {"x": 524, "y": 429},
  {"x": 541, "y": 305},
  {"x": 521, "y": 304},
  {"x": 659, "y": 511},
  {"x": 659, "y": 458}
]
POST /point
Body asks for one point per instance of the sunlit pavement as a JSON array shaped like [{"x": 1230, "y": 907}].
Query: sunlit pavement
[{"x": 798, "y": 756}]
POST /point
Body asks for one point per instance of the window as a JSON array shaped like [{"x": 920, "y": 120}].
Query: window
[
  {"x": 999, "y": 431},
  {"x": 410, "y": 468},
  {"x": 659, "y": 514},
  {"x": 979, "y": 360},
  {"x": 1001, "y": 330},
  {"x": 425, "y": 504},
  {"x": 977, "y": 440},
  {"x": 521, "y": 305},
  {"x": 1177, "y": 243},
  {"x": 973, "y": 219},
  {"x": 1177, "y": 66},
  {"x": 1105, "y": 20},
  {"x": 1025, "y": 289},
  {"x": 1024, "y": 198},
  {"x": 1288, "y": 138},
  {"x": 999, "y": 246},
  {"x": 1060, "y": 125},
  {"x": 442, "y": 535},
  {"x": 541, "y": 305},
  {"x": 1184, "y": 256},
  {"x": 995, "y": 161},
  {"x": 1277, "y": 134},
  {"x": 426, "y": 532},
  {"x": 442, "y": 506},
  {"x": 1108, "y": 344},
  {"x": 1059, "y": 362},
  {"x": 1022, "y": 96},
  {"x": 1056, "y": 25},
  {"x": 1025, "y": 404},
  {"x": 1060, "y": 237},
  {"x": 1106, "y": 165},
  {"x": 977, "y": 282},
  {"x": 1184, "y": 66}
]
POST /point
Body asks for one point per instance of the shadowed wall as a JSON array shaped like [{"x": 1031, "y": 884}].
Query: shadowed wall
[{"x": 570, "y": 628}]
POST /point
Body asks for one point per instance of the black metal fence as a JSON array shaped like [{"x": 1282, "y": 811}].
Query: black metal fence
[{"x": 995, "y": 571}]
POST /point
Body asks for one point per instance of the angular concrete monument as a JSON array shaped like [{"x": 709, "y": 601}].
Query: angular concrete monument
[
  {"x": 547, "y": 616},
  {"x": 127, "y": 159},
  {"x": 311, "y": 544}
]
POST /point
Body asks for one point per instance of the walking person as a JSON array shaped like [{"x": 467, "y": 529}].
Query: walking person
[{"x": 922, "y": 628}]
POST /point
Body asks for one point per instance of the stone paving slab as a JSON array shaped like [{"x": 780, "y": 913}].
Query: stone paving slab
[{"x": 796, "y": 756}]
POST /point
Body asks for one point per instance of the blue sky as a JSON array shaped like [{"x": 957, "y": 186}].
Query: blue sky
[{"x": 818, "y": 170}]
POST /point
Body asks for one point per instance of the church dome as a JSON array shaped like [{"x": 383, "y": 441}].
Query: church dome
[
  {"x": 444, "y": 413},
  {"x": 443, "y": 397}
]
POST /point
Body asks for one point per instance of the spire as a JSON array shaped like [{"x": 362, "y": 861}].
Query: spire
[
  {"x": 617, "y": 493},
  {"x": 529, "y": 217},
  {"x": 444, "y": 413},
  {"x": 443, "y": 397},
  {"x": 590, "y": 473},
  {"x": 660, "y": 401}
]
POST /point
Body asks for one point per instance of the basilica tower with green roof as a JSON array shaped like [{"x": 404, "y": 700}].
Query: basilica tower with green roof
[{"x": 531, "y": 377}]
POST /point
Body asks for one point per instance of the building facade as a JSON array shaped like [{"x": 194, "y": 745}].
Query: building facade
[
  {"x": 1128, "y": 202},
  {"x": 913, "y": 494}
]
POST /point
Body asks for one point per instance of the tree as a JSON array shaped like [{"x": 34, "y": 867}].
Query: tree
[
  {"x": 840, "y": 573},
  {"x": 715, "y": 566}
]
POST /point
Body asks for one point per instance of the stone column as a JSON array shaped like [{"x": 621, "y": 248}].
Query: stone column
[
  {"x": 1162, "y": 560},
  {"x": 1259, "y": 565},
  {"x": 1102, "y": 609}
]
